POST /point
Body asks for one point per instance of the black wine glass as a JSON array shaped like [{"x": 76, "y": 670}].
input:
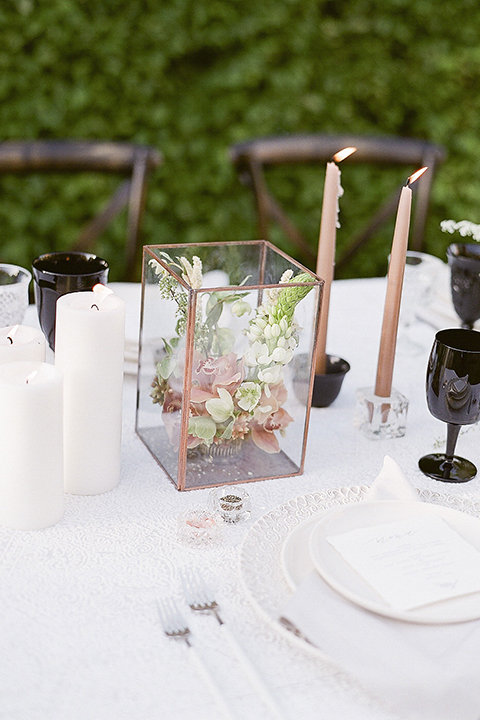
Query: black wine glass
[
  {"x": 453, "y": 395},
  {"x": 464, "y": 261}
]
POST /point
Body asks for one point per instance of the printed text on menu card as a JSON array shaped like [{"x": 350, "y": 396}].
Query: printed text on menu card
[{"x": 412, "y": 562}]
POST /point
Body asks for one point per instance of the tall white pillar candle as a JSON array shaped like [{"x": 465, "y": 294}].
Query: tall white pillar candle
[
  {"x": 89, "y": 350},
  {"x": 31, "y": 458},
  {"x": 21, "y": 342}
]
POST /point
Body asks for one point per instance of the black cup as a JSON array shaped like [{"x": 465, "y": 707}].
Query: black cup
[
  {"x": 325, "y": 387},
  {"x": 59, "y": 273}
]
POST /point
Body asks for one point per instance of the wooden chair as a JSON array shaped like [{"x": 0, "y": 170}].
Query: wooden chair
[
  {"x": 253, "y": 157},
  {"x": 135, "y": 162}
]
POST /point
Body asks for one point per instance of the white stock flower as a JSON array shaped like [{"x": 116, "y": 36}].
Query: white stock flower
[
  {"x": 257, "y": 354},
  {"x": 464, "y": 227},
  {"x": 270, "y": 375},
  {"x": 281, "y": 355}
]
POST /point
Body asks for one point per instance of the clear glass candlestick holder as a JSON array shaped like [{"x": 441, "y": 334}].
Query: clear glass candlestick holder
[{"x": 380, "y": 418}]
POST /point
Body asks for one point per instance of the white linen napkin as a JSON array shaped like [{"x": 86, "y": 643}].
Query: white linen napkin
[{"x": 422, "y": 672}]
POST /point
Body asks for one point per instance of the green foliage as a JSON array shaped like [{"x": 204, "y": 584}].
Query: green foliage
[{"x": 191, "y": 78}]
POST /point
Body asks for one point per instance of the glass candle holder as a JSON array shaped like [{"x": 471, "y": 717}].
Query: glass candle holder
[
  {"x": 199, "y": 527},
  {"x": 232, "y": 504},
  {"x": 381, "y": 418},
  {"x": 14, "y": 282}
]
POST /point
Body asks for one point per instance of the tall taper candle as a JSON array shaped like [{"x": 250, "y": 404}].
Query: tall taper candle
[
  {"x": 396, "y": 269},
  {"x": 332, "y": 191},
  {"x": 31, "y": 458},
  {"x": 89, "y": 350}
]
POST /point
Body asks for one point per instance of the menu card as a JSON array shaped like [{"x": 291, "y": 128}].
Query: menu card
[{"x": 412, "y": 562}]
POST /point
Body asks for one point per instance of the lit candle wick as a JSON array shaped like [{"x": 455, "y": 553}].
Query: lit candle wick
[
  {"x": 415, "y": 176},
  {"x": 12, "y": 333},
  {"x": 102, "y": 292},
  {"x": 31, "y": 376}
]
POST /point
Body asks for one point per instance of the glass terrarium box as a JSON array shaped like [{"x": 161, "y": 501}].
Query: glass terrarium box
[{"x": 226, "y": 365}]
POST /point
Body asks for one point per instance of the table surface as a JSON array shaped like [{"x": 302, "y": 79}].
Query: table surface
[{"x": 81, "y": 637}]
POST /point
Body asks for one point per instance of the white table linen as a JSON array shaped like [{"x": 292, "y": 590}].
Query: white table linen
[{"x": 80, "y": 632}]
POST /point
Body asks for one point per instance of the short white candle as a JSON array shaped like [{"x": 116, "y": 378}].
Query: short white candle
[
  {"x": 89, "y": 350},
  {"x": 20, "y": 342},
  {"x": 31, "y": 458}
]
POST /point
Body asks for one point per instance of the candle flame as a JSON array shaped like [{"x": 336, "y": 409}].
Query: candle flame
[
  {"x": 102, "y": 292},
  {"x": 416, "y": 175},
  {"x": 31, "y": 376},
  {"x": 99, "y": 288},
  {"x": 343, "y": 154},
  {"x": 12, "y": 332}
]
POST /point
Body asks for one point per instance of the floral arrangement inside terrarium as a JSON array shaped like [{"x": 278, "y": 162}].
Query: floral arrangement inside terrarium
[{"x": 233, "y": 398}]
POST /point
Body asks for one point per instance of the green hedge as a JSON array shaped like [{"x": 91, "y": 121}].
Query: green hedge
[{"x": 193, "y": 77}]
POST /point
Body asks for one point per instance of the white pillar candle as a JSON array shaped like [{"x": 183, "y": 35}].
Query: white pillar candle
[
  {"x": 89, "y": 350},
  {"x": 31, "y": 458},
  {"x": 20, "y": 342}
]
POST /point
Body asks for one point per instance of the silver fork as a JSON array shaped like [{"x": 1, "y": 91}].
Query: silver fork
[
  {"x": 200, "y": 599},
  {"x": 174, "y": 626}
]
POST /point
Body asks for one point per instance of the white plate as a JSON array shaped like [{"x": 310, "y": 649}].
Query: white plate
[
  {"x": 295, "y": 554},
  {"x": 261, "y": 571},
  {"x": 345, "y": 580}
]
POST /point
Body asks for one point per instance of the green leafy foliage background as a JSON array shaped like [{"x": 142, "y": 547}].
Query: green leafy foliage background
[{"x": 193, "y": 77}]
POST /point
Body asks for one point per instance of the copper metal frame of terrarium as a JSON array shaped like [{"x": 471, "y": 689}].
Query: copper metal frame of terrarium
[{"x": 273, "y": 469}]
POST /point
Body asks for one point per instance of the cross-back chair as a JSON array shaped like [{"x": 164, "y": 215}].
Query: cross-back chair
[
  {"x": 134, "y": 162},
  {"x": 253, "y": 157}
]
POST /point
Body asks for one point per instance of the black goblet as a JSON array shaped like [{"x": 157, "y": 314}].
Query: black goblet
[
  {"x": 464, "y": 261},
  {"x": 453, "y": 395}
]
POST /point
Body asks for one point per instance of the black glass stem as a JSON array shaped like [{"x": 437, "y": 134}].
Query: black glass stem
[
  {"x": 59, "y": 273},
  {"x": 464, "y": 262},
  {"x": 453, "y": 396}
]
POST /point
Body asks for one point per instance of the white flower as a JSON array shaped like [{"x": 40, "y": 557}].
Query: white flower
[
  {"x": 464, "y": 227},
  {"x": 248, "y": 395},
  {"x": 158, "y": 269},
  {"x": 281, "y": 355},
  {"x": 257, "y": 354},
  {"x": 287, "y": 276},
  {"x": 192, "y": 273},
  {"x": 270, "y": 375},
  {"x": 202, "y": 427},
  {"x": 220, "y": 408},
  {"x": 241, "y": 307}
]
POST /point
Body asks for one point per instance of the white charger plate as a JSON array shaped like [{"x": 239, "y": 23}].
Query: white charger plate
[
  {"x": 342, "y": 577},
  {"x": 261, "y": 570}
]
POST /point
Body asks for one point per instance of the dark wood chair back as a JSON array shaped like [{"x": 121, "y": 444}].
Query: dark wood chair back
[
  {"x": 251, "y": 158},
  {"x": 134, "y": 162}
]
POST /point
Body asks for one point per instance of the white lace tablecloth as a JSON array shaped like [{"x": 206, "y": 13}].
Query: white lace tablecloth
[{"x": 80, "y": 634}]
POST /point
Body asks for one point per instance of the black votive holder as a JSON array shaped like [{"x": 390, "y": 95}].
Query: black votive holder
[
  {"x": 59, "y": 273},
  {"x": 326, "y": 387}
]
